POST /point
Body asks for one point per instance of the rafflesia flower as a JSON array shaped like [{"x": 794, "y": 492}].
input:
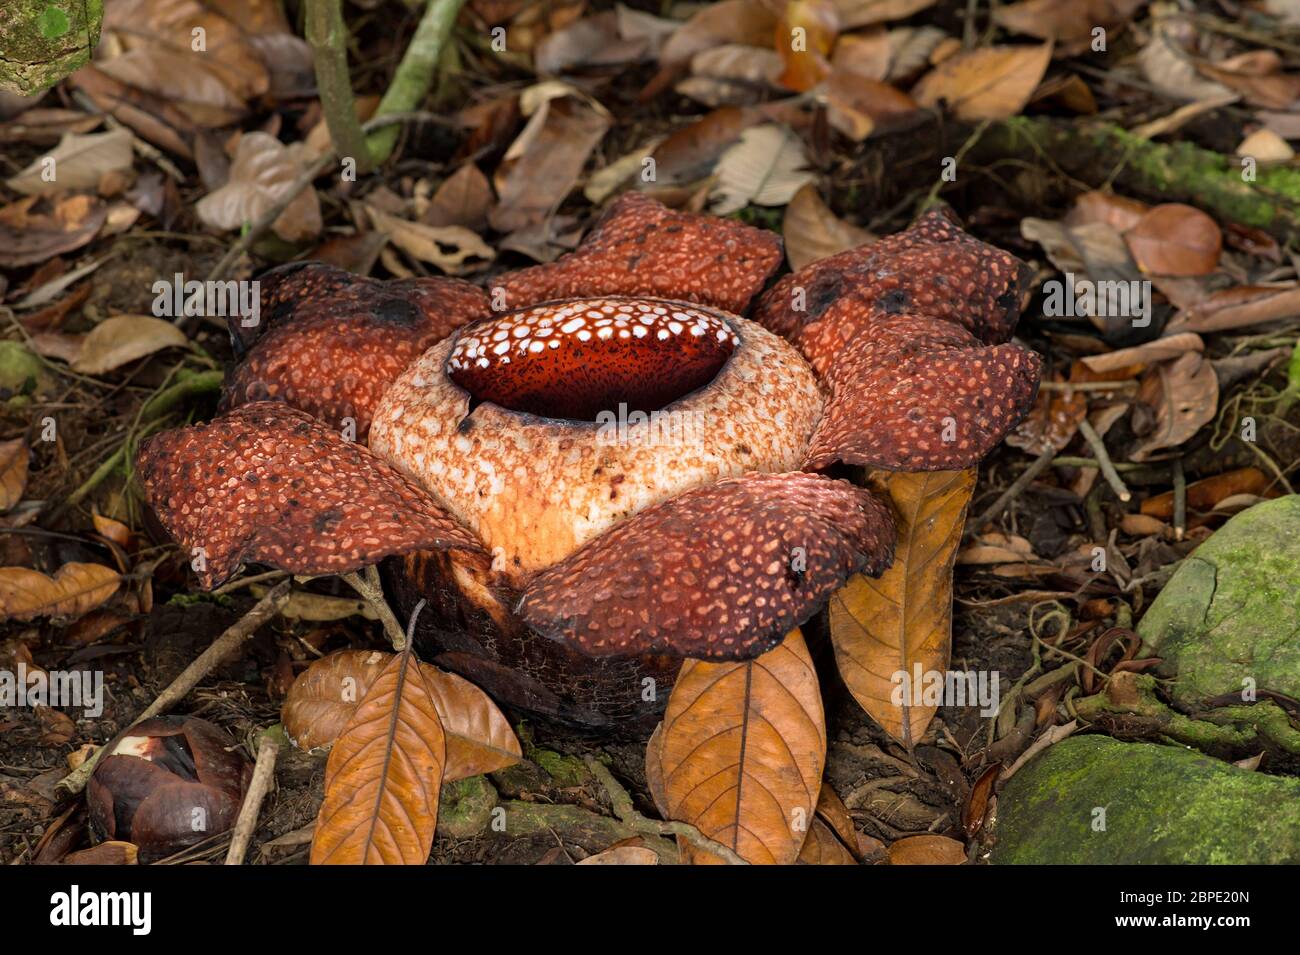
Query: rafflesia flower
[{"x": 597, "y": 467}]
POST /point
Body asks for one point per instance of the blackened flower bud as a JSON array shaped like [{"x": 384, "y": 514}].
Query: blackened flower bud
[{"x": 166, "y": 784}]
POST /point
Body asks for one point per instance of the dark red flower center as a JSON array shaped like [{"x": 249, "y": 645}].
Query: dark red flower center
[{"x": 580, "y": 358}]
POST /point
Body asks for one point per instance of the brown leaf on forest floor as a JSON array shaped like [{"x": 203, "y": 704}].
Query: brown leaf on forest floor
[
  {"x": 1184, "y": 395},
  {"x": 123, "y": 338},
  {"x": 861, "y": 13},
  {"x": 324, "y": 697},
  {"x": 1068, "y": 21},
  {"x": 988, "y": 83},
  {"x": 452, "y": 248},
  {"x": 463, "y": 199},
  {"x": 741, "y": 750},
  {"x": 78, "y": 162},
  {"x": 823, "y": 848},
  {"x": 903, "y": 620},
  {"x": 805, "y": 35},
  {"x": 75, "y": 589},
  {"x": 927, "y": 850},
  {"x": 28, "y": 237},
  {"x": 623, "y": 855},
  {"x": 544, "y": 162},
  {"x": 1175, "y": 239},
  {"x": 262, "y": 172},
  {"x": 383, "y": 776},
  {"x": 14, "y": 457},
  {"x": 1205, "y": 494},
  {"x": 811, "y": 231}
]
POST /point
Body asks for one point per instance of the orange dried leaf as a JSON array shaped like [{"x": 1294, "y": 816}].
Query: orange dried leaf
[
  {"x": 989, "y": 83},
  {"x": 384, "y": 775},
  {"x": 741, "y": 750},
  {"x": 927, "y": 850},
  {"x": 13, "y": 472},
  {"x": 75, "y": 589},
  {"x": 882, "y": 627},
  {"x": 1174, "y": 239}
]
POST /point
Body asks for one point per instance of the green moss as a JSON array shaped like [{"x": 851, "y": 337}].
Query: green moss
[
  {"x": 465, "y": 807},
  {"x": 1162, "y": 805},
  {"x": 565, "y": 771},
  {"x": 1231, "y": 613},
  {"x": 42, "y": 41}
]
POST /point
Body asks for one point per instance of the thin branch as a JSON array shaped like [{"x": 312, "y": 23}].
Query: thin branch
[
  {"x": 189, "y": 678},
  {"x": 1041, "y": 463},
  {"x": 328, "y": 36},
  {"x": 368, "y": 585},
  {"x": 263, "y": 778},
  {"x": 1103, "y": 460}
]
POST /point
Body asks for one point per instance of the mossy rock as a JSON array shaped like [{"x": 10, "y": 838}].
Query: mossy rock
[
  {"x": 1231, "y": 613},
  {"x": 42, "y": 41},
  {"x": 465, "y": 807},
  {"x": 1163, "y": 805},
  {"x": 22, "y": 374}
]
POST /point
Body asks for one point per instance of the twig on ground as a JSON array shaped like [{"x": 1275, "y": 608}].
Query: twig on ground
[
  {"x": 1040, "y": 465},
  {"x": 263, "y": 777},
  {"x": 1103, "y": 460},
  {"x": 248, "y": 582},
  {"x": 627, "y": 814},
  {"x": 1180, "y": 500},
  {"x": 368, "y": 585},
  {"x": 234, "y": 636}
]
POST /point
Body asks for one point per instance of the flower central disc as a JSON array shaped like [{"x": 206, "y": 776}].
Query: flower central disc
[{"x": 591, "y": 355}]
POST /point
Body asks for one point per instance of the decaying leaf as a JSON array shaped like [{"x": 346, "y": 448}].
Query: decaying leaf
[
  {"x": 623, "y": 855},
  {"x": 74, "y": 589},
  {"x": 1174, "y": 239},
  {"x": 740, "y": 752},
  {"x": 813, "y": 232},
  {"x": 992, "y": 82},
  {"x": 805, "y": 35},
  {"x": 927, "y": 850},
  {"x": 124, "y": 338},
  {"x": 13, "y": 472},
  {"x": 324, "y": 697},
  {"x": 544, "y": 162},
  {"x": 1185, "y": 396},
  {"x": 1205, "y": 495},
  {"x": 823, "y": 848},
  {"x": 765, "y": 168},
  {"x": 263, "y": 170},
  {"x": 902, "y": 622},
  {"x": 384, "y": 775},
  {"x": 28, "y": 237},
  {"x": 861, "y": 13},
  {"x": 77, "y": 162},
  {"x": 452, "y": 248}
]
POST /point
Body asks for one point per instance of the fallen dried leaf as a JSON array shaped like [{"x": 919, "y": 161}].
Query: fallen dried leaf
[
  {"x": 383, "y": 776},
  {"x": 903, "y": 621},
  {"x": 77, "y": 163},
  {"x": 263, "y": 171},
  {"x": 927, "y": 850},
  {"x": 74, "y": 589},
  {"x": 1174, "y": 239},
  {"x": 741, "y": 751},
  {"x": 765, "y": 168},
  {"x": 988, "y": 83},
  {"x": 813, "y": 232},
  {"x": 124, "y": 338},
  {"x": 14, "y": 457}
]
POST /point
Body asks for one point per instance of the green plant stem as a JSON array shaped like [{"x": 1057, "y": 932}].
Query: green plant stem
[
  {"x": 415, "y": 74},
  {"x": 328, "y": 36}
]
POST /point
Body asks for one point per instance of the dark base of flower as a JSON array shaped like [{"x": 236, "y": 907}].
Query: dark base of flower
[{"x": 466, "y": 627}]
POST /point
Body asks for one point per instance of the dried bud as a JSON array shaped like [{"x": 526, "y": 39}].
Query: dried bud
[{"x": 166, "y": 784}]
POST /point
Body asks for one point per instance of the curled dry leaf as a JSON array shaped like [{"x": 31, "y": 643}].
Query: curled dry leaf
[
  {"x": 1206, "y": 494},
  {"x": 805, "y": 35},
  {"x": 988, "y": 83},
  {"x": 544, "y": 162},
  {"x": 75, "y": 589},
  {"x": 452, "y": 248},
  {"x": 731, "y": 21},
  {"x": 124, "y": 338},
  {"x": 262, "y": 172},
  {"x": 623, "y": 855},
  {"x": 112, "y": 530},
  {"x": 1069, "y": 21},
  {"x": 28, "y": 237},
  {"x": 765, "y": 168},
  {"x": 1174, "y": 239},
  {"x": 902, "y": 622},
  {"x": 823, "y": 848},
  {"x": 740, "y": 752},
  {"x": 78, "y": 162},
  {"x": 813, "y": 232},
  {"x": 1185, "y": 396},
  {"x": 326, "y": 694},
  {"x": 383, "y": 776},
  {"x": 13, "y": 472},
  {"x": 927, "y": 850},
  {"x": 463, "y": 199},
  {"x": 861, "y": 13}
]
